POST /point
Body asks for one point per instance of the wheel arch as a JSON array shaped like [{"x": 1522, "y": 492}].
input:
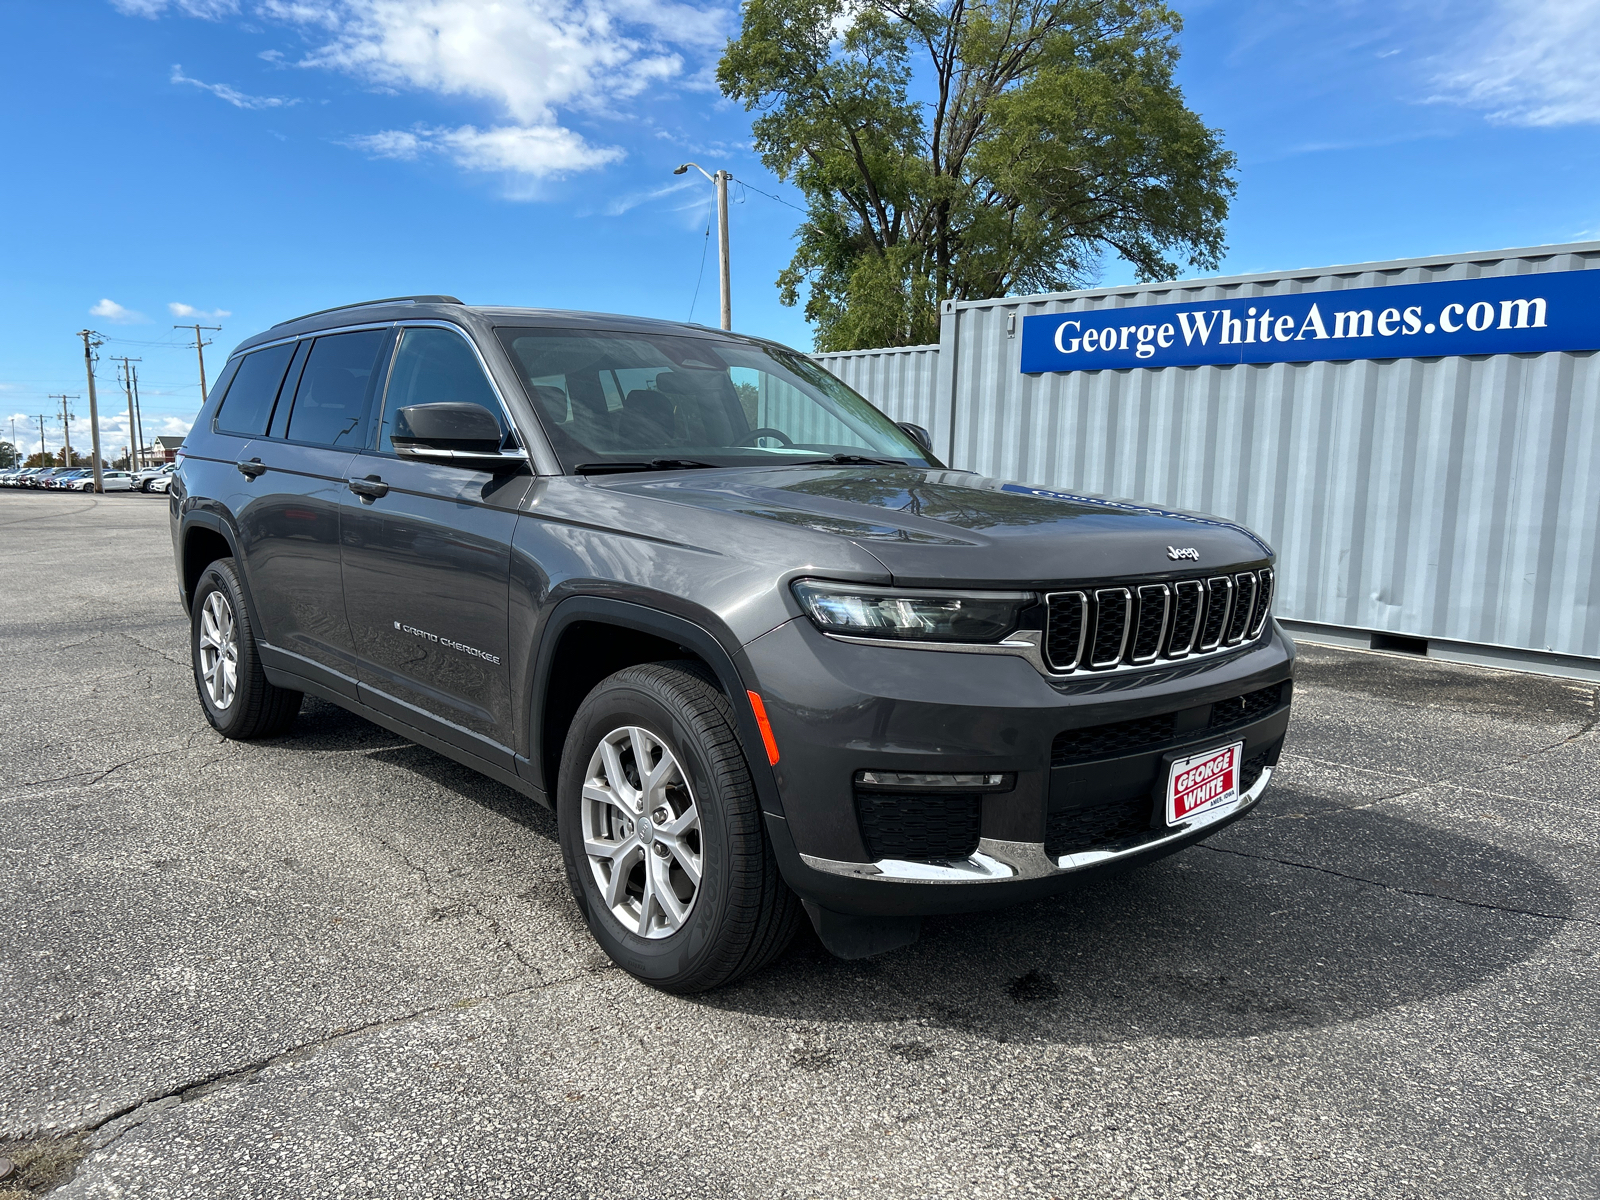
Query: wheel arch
[
  {"x": 587, "y": 638},
  {"x": 204, "y": 538}
]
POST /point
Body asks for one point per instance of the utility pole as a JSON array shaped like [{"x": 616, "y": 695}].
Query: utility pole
[
  {"x": 199, "y": 348},
  {"x": 66, "y": 430},
  {"x": 127, "y": 386},
  {"x": 720, "y": 180},
  {"x": 42, "y": 463},
  {"x": 138, "y": 415},
  {"x": 90, "y": 341}
]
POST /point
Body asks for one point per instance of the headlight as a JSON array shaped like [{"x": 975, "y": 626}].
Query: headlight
[{"x": 899, "y": 613}]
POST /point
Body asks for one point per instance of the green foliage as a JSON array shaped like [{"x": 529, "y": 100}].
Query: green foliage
[{"x": 965, "y": 149}]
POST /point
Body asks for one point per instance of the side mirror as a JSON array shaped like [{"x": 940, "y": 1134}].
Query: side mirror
[
  {"x": 917, "y": 434},
  {"x": 453, "y": 432}
]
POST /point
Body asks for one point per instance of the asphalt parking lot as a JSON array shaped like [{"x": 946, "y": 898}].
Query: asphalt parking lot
[{"x": 336, "y": 964}]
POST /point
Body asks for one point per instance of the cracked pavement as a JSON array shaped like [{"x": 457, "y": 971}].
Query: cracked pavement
[{"x": 336, "y": 964}]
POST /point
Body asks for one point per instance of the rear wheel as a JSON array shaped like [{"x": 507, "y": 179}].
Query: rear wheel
[
  {"x": 238, "y": 700},
  {"x": 662, "y": 832}
]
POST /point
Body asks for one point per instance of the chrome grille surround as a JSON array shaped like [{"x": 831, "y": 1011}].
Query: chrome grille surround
[
  {"x": 1219, "y": 601},
  {"x": 1197, "y": 617},
  {"x": 1113, "y": 617}
]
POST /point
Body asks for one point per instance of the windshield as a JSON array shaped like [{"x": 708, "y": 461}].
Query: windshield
[{"x": 637, "y": 398}]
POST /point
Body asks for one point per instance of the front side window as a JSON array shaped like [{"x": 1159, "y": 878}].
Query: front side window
[
  {"x": 434, "y": 365},
  {"x": 247, "y": 406},
  {"x": 634, "y": 397},
  {"x": 331, "y": 401}
]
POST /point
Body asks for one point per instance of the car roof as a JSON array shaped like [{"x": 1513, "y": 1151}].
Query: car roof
[{"x": 402, "y": 308}]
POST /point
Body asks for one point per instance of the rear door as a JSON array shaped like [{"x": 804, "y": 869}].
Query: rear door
[
  {"x": 291, "y": 526},
  {"x": 427, "y": 560}
]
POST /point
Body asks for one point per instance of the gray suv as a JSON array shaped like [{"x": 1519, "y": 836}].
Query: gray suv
[{"x": 761, "y": 652}]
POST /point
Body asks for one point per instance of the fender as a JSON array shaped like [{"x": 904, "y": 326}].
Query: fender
[
  {"x": 732, "y": 668},
  {"x": 207, "y": 519}
]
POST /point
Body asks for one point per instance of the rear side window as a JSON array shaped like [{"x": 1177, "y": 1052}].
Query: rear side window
[
  {"x": 330, "y": 406},
  {"x": 247, "y": 407}
]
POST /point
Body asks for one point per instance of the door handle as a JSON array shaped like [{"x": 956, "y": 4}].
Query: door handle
[
  {"x": 369, "y": 488},
  {"x": 254, "y": 468}
]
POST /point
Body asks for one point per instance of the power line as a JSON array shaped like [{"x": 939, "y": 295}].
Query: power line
[
  {"x": 704, "y": 246},
  {"x": 769, "y": 195}
]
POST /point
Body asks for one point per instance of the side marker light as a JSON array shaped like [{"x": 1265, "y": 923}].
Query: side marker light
[{"x": 767, "y": 739}]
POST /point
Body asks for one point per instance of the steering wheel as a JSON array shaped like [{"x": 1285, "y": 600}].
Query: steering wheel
[{"x": 749, "y": 439}]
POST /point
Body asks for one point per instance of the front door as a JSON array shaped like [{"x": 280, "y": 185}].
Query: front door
[
  {"x": 426, "y": 560},
  {"x": 291, "y": 524}
]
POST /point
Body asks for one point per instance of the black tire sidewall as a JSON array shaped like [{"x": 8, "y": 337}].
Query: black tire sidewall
[
  {"x": 219, "y": 576},
  {"x": 684, "y": 954}
]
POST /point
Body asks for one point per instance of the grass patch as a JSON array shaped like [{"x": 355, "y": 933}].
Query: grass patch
[{"x": 43, "y": 1165}]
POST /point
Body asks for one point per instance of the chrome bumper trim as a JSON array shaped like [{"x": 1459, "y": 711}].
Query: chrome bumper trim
[{"x": 997, "y": 861}]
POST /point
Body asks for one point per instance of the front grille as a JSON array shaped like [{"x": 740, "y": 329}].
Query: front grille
[
  {"x": 1072, "y": 746},
  {"x": 1110, "y": 826},
  {"x": 1109, "y": 628},
  {"x": 919, "y": 825}
]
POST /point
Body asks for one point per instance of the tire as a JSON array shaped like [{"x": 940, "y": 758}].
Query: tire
[
  {"x": 741, "y": 915},
  {"x": 222, "y": 640}
]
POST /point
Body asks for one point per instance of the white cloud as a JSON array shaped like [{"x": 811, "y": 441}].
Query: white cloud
[
  {"x": 1532, "y": 62},
  {"x": 540, "y": 151},
  {"x": 531, "y": 60},
  {"x": 232, "y": 95},
  {"x": 110, "y": 310},
  {"x": 189, "y": 310},
  {"x": 211, "y": 10}
]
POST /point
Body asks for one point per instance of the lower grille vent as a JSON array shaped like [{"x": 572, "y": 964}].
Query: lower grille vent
[
  {"x": 1241, "y": 710},
  {"x": 919, "y": 825},
  {"x": 1110, "y": 826},
  {"x": 1120, "y": 737}
]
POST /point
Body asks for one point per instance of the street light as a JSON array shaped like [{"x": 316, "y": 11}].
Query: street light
[{"x": 721, "y": 180}]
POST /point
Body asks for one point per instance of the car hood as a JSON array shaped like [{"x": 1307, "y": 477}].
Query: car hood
[{"x": 937, "y": 526}]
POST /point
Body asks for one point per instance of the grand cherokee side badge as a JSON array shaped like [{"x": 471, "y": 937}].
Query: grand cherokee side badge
[{"x": 1177, "y": 553}]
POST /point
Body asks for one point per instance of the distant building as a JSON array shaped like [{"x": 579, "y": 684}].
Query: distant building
[{"x": 167, "y": 448}]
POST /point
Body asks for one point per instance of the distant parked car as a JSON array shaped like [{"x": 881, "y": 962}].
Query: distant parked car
[
  {"x": 110, "y": 481},
  {"x": 44, "y": 476},
  {"x": 145, "y": 480},
  {"x": 160, "y": 483},
  {"x": 67, "y": 479}
]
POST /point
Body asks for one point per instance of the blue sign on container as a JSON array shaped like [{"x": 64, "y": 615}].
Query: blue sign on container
[{"x": 1502, "y": 314}]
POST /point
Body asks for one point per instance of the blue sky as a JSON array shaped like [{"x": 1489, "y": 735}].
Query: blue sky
[{"x": 247, "y": 160}]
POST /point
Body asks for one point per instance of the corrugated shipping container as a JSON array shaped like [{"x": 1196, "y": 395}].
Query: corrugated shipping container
[{"x": 1455, "y": 499}]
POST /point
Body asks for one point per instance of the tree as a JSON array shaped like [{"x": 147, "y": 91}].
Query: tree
[
  {"x": 8, "y": 455},
  {"x": 963, "y": 149}
]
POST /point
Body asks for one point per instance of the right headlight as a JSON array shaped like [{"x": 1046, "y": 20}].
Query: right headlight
[{"x": 908, "y": 613}]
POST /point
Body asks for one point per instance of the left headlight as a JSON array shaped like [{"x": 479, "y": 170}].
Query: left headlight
[{"x": 905, "y": 613}]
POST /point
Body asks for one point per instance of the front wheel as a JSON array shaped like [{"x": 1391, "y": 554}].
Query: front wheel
[
  {"x": 662, "y": 832},
  {"x": 238, "y": 700}
]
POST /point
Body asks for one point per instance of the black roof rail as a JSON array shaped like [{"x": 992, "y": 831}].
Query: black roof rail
[{"x": 370, "y": 304}]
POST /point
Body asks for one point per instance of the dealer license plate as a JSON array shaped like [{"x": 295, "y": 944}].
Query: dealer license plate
[{"x": 1203, "y": 781}]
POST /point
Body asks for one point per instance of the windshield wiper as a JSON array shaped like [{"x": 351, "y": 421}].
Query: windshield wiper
[
  {"x": 852, "y": 460},
  {"x": 655, "y": 464}
]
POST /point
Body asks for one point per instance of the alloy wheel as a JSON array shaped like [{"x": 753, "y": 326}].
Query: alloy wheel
[
  {"x": 641, "y": 832},
  {"x": 219, "y": 650}
]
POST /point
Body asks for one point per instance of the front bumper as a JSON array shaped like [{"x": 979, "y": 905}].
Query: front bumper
[{"x": 837, "y": 709}]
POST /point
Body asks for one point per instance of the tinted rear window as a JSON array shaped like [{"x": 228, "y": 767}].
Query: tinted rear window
[
  {"x": 248, "y": 405},
  {"x": 331, "y": 402}
]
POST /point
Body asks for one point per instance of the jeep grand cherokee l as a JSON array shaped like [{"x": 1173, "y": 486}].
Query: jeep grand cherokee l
[{"x": 758, "y": 648}]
